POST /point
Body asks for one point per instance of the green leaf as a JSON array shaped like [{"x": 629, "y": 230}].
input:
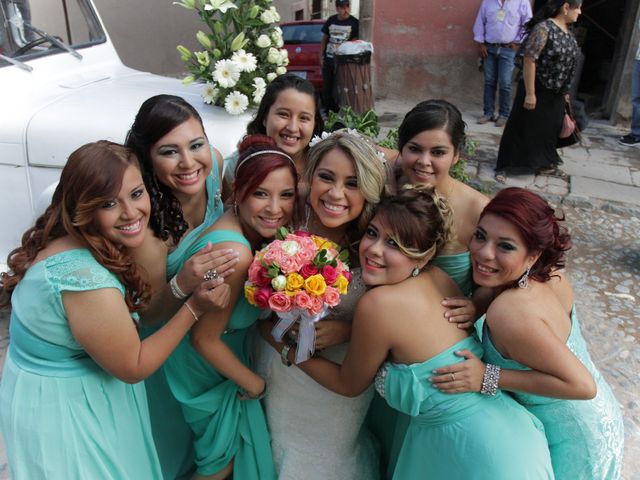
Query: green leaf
[
  {"x": 282, "y": 233},
  {"x": 343, "y": 256}
]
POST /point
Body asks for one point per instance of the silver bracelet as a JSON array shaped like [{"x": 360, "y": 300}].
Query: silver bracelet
[
  {"x": 244, "y": 395},
  {"x": 175, "y": 288},
  {"x": 195, "y": 317},
  {"x": 490, "y": 379}
]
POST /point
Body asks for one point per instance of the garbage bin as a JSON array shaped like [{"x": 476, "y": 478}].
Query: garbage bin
[{"x": 353, "y": 76}]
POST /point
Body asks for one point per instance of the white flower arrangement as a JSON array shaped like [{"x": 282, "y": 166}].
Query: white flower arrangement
[{"x": 241, "y": 51}]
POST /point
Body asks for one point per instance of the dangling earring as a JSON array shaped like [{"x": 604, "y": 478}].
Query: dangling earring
[
  {"x": 235, "y": 208},
  {"x": 524, "y": 279},
  {"x": 416, "y": 271}
]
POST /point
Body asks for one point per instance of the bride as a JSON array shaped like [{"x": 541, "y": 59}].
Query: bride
[{"x": 317, "y": 434}]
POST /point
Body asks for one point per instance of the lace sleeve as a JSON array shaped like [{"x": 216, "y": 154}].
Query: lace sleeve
[
  {"x": 78, "y": 271},
  {"x": 536, "y": 41}
]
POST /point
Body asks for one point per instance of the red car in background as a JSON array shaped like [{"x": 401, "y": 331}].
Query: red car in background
[{"x": 302, "y": 41}]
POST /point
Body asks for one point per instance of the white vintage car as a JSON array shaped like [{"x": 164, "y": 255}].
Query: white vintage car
[{"x": 62, "y": 85}]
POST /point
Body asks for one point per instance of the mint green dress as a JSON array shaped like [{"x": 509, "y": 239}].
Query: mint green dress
[
  {"x": 460, "y": 436},
  {"x": 171, "y": 433},
  {"x": 385, "y": 423},
  {"x": 62, "y": 416},
  {"x": 458, "y": 267},
  {"x": 225, "y": 428},
  {"x": 586, "y": 437}
]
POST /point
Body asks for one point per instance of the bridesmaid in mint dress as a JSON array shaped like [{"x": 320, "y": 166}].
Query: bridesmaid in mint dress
[
  {"x": 75, "y": 357},
  {"x": 210, "y": 372},
  {"x": 398, "y": 338},
  {"x": 184, "y": 185},
  {"x": 430, "y": 139},
  {"x": 531, "y": 331}
]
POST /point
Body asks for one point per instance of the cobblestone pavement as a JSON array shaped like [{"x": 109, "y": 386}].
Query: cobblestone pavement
[{"x": 605, "y": 268}]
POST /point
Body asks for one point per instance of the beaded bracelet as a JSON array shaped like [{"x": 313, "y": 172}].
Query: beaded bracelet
[
  {"x": 175, "y": 288},
  {"x": 284, "y": 355},
  {"x": 490, "y": 379}
]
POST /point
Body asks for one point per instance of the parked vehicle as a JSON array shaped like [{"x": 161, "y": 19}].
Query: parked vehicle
[
  {"x": 62, "y": 85},
  {"x": 302, "y": 41}
]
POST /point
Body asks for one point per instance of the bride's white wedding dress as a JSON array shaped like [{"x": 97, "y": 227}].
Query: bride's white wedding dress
[{"x": 315, "y": 433}]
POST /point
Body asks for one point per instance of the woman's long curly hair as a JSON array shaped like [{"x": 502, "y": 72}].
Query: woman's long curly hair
[
  {"x": 539, "y": 226},
  {"x": 92, "y": 176},
  {"x": 157, "y": 116}
]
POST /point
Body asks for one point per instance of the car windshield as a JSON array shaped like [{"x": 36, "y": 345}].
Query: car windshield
[
  {"x": 304, "y": 33},
  {"x": 34, "y": 28}
]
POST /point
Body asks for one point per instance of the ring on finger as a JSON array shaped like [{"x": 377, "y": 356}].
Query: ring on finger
[
  {"x": 210, "y": 274},
  {"x": 453, "y": 376}
]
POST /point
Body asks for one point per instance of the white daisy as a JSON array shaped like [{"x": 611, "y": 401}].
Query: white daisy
[
  {"x": 209, "y": 93},
  {"x": 226, "y": 73},
  {"x": 236, "y": 103},
  {"x": 246, "y": 61}
]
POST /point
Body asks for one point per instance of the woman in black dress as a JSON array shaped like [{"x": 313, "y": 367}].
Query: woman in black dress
[{"x": 550, "y": 51}]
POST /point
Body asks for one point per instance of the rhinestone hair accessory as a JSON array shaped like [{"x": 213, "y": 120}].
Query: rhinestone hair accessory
[
  {"x": 349, "y": 131},
  {"x": 262, "y": 152}
]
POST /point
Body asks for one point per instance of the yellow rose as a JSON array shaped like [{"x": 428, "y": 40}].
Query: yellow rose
[
  {"x": 249, "y": 292},
  {"x": 295, "y": 281},
  {"x": 315, "y": 285},
  {"x": 342, "y": 284}
]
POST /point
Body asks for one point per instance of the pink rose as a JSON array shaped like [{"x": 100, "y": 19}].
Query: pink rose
[
  {"x": 273, "y": 252},
  {"x": 329, "y": 273},
  {"x": 303, "y": 300},
  {"x": 261, "y": 297},
  {"x": 305, "y": 255},
  {"x": 288, "y": 264},
  {"x": 331, "y": 296},
  {"x": 308, "y": 270},
  {"x": 317, "y": 305},
  {"x": 258, "y": 275},
  {"x": 301, "y": 233},
  {"x": 347, "y": 274},
  {"x": 280, "y": 302}
]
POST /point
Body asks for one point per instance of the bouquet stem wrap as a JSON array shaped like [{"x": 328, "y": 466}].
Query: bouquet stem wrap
[{"x": 306, "y": 334}]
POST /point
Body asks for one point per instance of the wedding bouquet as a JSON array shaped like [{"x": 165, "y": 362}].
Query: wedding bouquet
[
  {"x": 241, "y": 51},
  {"x": 299, "y": 276}
]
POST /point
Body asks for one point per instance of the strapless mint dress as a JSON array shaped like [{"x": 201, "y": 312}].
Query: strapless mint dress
[
  {"x": 460, "y": 436},
  {"x": 586, "y": 437}
]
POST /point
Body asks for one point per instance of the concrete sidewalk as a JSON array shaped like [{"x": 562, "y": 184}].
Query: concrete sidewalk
[{"x": 602, "y": 173}]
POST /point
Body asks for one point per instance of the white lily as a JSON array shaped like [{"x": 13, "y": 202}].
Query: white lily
[{"x": 222, "y": 5}]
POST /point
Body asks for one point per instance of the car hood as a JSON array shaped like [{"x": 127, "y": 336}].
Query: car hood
[{"x": 105, "y": 109}]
